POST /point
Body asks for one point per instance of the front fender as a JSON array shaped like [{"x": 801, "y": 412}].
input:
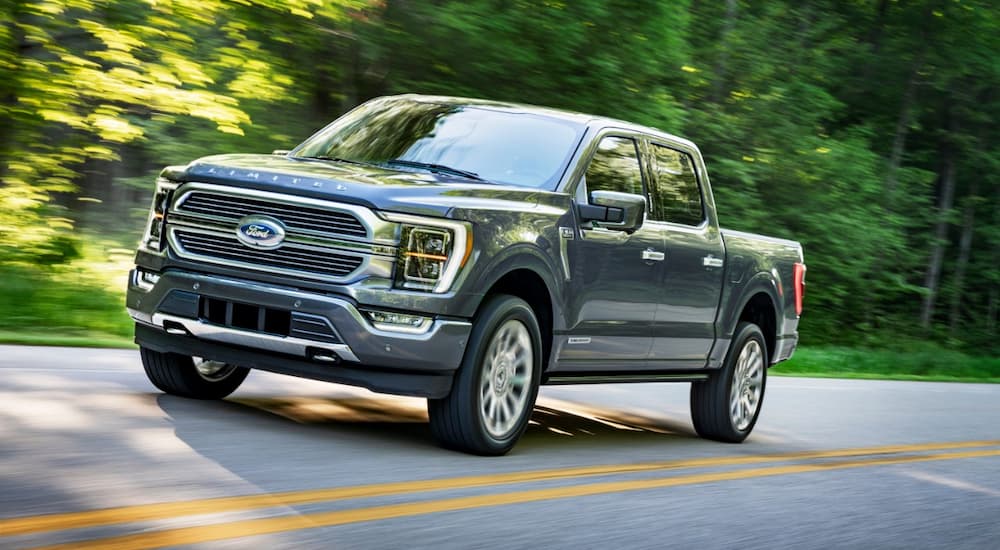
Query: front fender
[{"x": 527, "y": 256}]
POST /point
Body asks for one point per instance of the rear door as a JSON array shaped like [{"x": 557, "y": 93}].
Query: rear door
[{"x": 684, "y": 322}]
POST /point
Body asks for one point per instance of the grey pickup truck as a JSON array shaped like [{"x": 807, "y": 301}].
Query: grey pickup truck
[{"x": 467, "y": 252}]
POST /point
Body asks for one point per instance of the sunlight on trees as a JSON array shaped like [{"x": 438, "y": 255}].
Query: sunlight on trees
[{"x": 866, "y": 130}]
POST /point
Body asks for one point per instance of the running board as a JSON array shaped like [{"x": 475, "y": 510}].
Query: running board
[{"x": 567, "y": 378}]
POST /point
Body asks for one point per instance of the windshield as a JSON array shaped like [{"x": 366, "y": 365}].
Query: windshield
[{"x": 496, "y": 144}]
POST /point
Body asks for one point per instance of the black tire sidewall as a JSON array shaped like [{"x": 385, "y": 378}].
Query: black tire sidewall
[{"x": 177, "y": 374}]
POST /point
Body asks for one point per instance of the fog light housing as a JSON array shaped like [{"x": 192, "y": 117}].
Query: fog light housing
[
  {"x": 398, "y": 322},
  {"x": 145, "y": 280}
]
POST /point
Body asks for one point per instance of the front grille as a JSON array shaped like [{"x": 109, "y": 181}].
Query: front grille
[
  {"x": 295, "y": 217},
  {"x": 290, "y": 256}
]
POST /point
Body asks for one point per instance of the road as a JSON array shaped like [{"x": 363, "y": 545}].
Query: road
[{"x": 92, "y": 456}]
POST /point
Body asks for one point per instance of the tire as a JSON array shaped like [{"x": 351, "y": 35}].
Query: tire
[
  {"x": 494, "y": 391},
  {"x": 715, "y": 413},
  {"x": 180, "y": 375}
]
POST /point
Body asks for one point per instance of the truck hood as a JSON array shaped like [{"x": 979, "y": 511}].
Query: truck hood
[{"x": 412, "y": 192}]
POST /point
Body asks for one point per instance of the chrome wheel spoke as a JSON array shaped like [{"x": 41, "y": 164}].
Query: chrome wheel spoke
[
  {"x": 213, "y": 371},
  {"x": 745, "y": 391},
  {"x": 506, "y": 378}
]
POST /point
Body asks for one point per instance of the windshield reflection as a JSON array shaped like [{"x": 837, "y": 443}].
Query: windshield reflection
[{"x": 493, "y": 143}]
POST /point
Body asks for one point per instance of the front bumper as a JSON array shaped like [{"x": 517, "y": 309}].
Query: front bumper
[{"x": 170, "y": 317}]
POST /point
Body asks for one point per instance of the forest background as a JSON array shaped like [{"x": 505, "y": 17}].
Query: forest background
[{"x": 866, "y": 129}]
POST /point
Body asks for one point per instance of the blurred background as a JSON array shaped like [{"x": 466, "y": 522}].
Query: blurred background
[{"x": 866, "y": 129}]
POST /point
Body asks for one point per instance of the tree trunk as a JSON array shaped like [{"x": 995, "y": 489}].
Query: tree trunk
[
  {"x": 906, "y": 110},
  {"x": 902, "y": 129},
  {"x": 9, "y": 87},
  {"x": 722, "y": 66},
  {"x": 874, "y": 41},
  {"x": 964, "y": 249},
  {"x": 940, "y": 235},
  {"x": 991, "y": 313},
  {"x": 878, "y": 29}
]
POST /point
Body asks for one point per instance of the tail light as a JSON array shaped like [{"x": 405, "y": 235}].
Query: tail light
[{"x": 799, "y": 276}]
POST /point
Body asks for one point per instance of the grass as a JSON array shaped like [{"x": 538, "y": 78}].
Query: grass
[
  {"x": 918, "y": 361},
  {"x": 81, "y": 303},
  {"x": 67, "y": 338}
]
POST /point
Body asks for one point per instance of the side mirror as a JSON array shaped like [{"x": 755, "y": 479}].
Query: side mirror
[
  {"x": 281, "y": 152},
  {"x": 614, "y": 210}
]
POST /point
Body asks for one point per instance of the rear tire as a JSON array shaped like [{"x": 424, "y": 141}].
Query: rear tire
[
  {"x": 726, "y": 406},
  {"x": 187, "y": 376},
  {"x": 494, "y": 391}
]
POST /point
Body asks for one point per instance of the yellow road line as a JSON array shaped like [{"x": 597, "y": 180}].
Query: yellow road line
[
  {"x": 254, "y": 527},
  {"x": 148, "y": 512}
]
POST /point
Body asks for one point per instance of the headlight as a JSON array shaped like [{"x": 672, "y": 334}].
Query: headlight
[
  {"x": 431, "y": 252},
  {"x": 153, "y": 237}
]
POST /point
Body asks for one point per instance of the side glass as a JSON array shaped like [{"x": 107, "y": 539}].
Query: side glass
[
  {"x": 615, "y": 167},
  {"x": 675, "y": 195}
]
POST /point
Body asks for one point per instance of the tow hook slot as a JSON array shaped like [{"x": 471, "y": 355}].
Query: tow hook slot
[
  {"x": 173, "y": 327},
  {"x": 322, "y": 355}
]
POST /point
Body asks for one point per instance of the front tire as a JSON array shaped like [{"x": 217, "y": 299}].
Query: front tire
[
  {"x": 495, "y": 388},
  {"x": 192, "y": 377},
  {"x": 726, "y": 406}
]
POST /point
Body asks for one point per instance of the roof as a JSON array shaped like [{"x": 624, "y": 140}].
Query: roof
[{"x": 580, "y": 118}]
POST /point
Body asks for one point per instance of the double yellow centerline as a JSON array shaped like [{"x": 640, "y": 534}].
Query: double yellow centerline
[{"x": 863, "y": 457}]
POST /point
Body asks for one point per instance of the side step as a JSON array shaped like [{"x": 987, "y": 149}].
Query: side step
[{"x": 566, "y": 378}]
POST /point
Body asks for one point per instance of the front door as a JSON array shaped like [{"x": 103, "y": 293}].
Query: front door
[{"x": 614, "y": 282}]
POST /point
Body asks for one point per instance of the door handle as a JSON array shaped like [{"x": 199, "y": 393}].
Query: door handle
[
  {"x": 651, "y": 255},
  {"x": 711, "y": 261}
]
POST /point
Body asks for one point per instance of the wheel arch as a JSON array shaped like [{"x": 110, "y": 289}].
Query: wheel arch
[
  {"x": 527, "y": 275},
  {"x": 758, "y": 303}
]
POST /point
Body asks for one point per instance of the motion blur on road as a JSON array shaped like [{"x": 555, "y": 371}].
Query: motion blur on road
[{"x": 93, "y": 456}]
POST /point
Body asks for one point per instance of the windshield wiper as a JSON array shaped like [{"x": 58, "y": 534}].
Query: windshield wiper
[
  {"x": 438, "y": 168},
  {"x": 334, "y": 159}
]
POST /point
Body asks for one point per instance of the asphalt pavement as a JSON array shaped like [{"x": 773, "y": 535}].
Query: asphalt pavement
[{"x": 91, "y": 455}]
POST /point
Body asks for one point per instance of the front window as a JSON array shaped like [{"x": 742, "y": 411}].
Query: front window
[
  {"x": 615, "y": 167},
  {"x": 494, "y": 143}
]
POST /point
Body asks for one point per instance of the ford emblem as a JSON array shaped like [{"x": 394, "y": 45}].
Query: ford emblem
[{"x": 260, "y": 232}]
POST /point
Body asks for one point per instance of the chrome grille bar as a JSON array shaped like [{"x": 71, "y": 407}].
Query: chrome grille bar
[
  {"x": 325, "y": 240},
  {"x": 294, "y": 217},
  {"x": 290, "y": 257}
]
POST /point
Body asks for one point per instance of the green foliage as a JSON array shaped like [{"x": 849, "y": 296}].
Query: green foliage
[
  {"x": 916, "y": 361},
  {"x": 81, "y": 295},
  {"x": 827, "y": 122}
]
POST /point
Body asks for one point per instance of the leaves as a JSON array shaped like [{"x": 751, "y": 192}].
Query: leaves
[{"x": 810, "y": 114}]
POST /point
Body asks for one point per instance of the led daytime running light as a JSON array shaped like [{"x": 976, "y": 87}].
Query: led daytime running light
[{"x": 431, "y": 251}]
